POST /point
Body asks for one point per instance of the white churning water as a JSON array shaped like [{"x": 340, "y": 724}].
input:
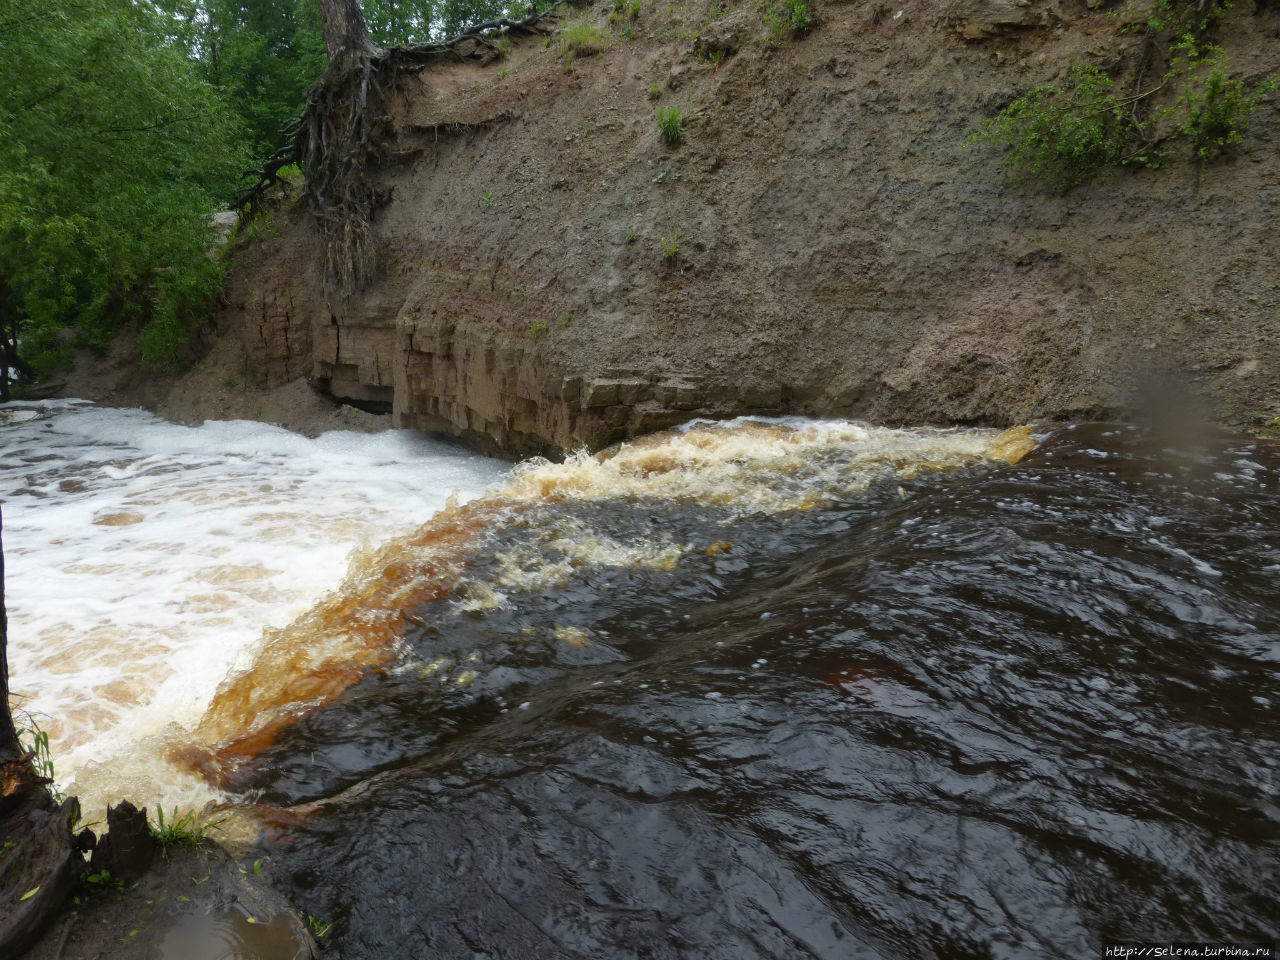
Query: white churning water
[
  {"x": 143, "y": 561},
  {"x": 199, "y": 589}
]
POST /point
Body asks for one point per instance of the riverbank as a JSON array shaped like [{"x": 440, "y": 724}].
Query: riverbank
[{"x": 822, "y": 238}]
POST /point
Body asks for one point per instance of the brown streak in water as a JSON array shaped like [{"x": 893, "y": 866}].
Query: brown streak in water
[
  {"x": 352, "y": 630},
  {"x": 1012, "y": 445}
]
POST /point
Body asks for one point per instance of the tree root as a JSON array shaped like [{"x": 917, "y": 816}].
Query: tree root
[{"x": 334, "y": 143}]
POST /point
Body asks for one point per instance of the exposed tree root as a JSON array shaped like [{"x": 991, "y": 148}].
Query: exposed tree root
[{"x": 334, "y": 142}]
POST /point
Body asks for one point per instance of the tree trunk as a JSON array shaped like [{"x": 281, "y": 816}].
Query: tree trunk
[
  {"x": 345, "y": 34},
  {"x": 9, "y": 748}
]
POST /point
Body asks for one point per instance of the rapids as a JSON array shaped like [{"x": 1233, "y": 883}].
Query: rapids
[
  {"x": 145, "y": 559},
  {"x": 762, "y": 689}
]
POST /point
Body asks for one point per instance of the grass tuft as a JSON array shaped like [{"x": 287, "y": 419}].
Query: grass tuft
[{"x": 671, "y": 123}]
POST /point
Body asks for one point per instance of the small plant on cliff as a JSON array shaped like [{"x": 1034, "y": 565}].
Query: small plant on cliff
[
  {"x": 538, "y": 328},
  {"x": 671, "y": 246},
  {"x": 790, "y": 16},
  {"x": 1215, "y": 109},
  {"x": 581, "y": 40},
  {"x": 1182, "y": 15},
  {"x": 670, "y": 123},
  {"x": 1062, "y": 134}
]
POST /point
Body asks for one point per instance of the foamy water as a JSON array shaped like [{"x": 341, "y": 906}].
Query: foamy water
[
  {"x": 183, "y": 594},
  {"x": 741, "y": 467},
  {"x": 144, "y": 561}
]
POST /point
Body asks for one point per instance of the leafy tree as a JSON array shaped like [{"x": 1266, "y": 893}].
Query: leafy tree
[
  {"x": 261, "y": 55},
  {"x": 394, "y": 22},
  {"x": 113, "y": 153}
]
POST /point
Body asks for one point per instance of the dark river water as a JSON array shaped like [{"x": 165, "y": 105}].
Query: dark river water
[{"x": 1003, "y": 711}]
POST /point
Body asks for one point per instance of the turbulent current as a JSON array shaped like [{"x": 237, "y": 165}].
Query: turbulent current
[{"x": 765, "y": 689}]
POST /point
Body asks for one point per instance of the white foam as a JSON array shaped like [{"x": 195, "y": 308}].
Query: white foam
[{"x": 144, "y": 559}]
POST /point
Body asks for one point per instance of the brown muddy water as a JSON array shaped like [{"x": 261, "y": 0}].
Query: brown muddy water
[{"x": 775, "y": 690}]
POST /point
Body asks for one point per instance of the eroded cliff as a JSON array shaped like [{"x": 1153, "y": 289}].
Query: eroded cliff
[{"x": 822, "y": 240}]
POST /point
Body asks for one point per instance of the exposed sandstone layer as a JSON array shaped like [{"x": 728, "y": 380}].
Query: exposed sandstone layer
[{"x": 822, "y": 240}]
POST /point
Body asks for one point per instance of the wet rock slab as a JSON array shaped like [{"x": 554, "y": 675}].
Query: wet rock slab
[{"x": 194, "y": 903}]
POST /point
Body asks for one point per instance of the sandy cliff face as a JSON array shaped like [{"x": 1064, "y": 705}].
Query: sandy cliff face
[{"x": 550, "y": 273}]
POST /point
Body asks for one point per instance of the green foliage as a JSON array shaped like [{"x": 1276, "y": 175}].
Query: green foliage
[
  {"x": 670, "y": 247},
  {"x": 790, "y": 16},
  {"x": 113, "y": 155},
  {"x": 1183, "y": 15},
  {"x": 180, "y": 828},
  {"x": 1214, "y": 110},
  {"x": 319, "y": 930},
  {"x": 538, "y": 328},
  {"x": 103, "y": 878},
  {"x": 670, "y": 123},
  {"x": 406, "y": 21},
  {"x": 34, "y": 740},
  {"x": 581, "y": 39},
  {"x": 1062, "y": 135},
  {"x": 261, "y": 55}
]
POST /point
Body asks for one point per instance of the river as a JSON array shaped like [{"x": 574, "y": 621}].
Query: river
[{"x": 762, "y": 689}]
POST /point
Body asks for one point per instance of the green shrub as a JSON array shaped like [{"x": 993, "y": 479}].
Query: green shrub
[
  {"x": 670, "y": 123},
  {"x": 1062, "y": 134},
  {"x": 1215, "y": 110},
  {"x": 791, "y": 16},
  {"x": 1181, "y": 15}
]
